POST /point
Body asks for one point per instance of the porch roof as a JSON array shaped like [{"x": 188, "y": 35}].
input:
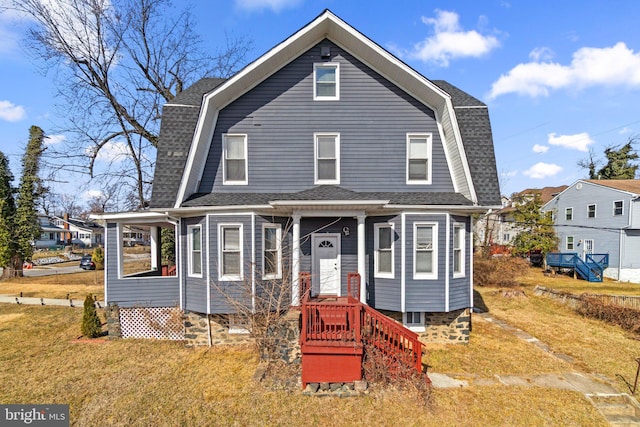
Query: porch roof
[{"x": 329, "y": 194}]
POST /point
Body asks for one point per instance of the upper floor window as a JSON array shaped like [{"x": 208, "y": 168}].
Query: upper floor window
[
  {"x": 458, "y": 250},
  {"x": 568, "y": 214},
  {"x": 195, "y": 250},
  {"x": 271, "y": 251},
  {"x": 326, "y": 81},
  {"x": 327, "y": 158},
  {"x": 230, "y": 251},
  {"x": 418, "y": 158},
  {"x": 235, "y": 159},
  {"x": 591, "y": 211},
  {"x": 383, "y": 241},
  {"x": 425, "y": 249},
  {"x": 618, "y": 207}
]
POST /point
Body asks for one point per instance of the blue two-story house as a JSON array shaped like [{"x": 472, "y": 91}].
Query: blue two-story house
[{"x": 326, "y": 155}]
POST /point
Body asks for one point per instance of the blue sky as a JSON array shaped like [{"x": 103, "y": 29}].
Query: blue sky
[{"x": 559, "y": 78}]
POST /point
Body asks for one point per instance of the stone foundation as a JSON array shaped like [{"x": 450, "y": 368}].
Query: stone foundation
[
  {"x": 447, "y": 328},
  {"x": 112, "y": 312},
  {"x": 197, "y": 331}
]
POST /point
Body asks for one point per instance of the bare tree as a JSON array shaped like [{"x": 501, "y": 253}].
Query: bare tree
[
  {"x": 117, "y": 62},
  {"x": 105, "y": 201}
]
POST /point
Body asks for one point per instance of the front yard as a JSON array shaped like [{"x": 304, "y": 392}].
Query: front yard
[{"x": 136, "y": 382}]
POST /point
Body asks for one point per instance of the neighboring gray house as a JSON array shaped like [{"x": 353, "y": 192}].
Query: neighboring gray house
[
  {"x": 602, "y": 217},
  {"x": 326, "y": 155},
  {"x": 50, "y": 235}
]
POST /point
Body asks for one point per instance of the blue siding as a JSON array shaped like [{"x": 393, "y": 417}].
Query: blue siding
[
  {"x": 384, "y": 293},
  {"x": 274, "y": 285},
  {"x": 459, "y": 287},
  {"x": 149, "y": 291},
  {"x": 425, "y": 295},
  {"x": 280, "y": 117},
  {"x": 222, "y": 291},
  {"x": 195, "y": 296}
]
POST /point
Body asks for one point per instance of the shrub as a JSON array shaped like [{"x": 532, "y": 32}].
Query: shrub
[
  {"x": 91, "y": 325},
  {"x": 625, "y": 317},
  {"x": 498, "y": 271},
  {"x": 98, "y": 258}
]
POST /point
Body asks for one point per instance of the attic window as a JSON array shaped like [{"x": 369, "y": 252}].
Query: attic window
[
  {"x": 235, "y": 159},
  {"x": 326, "y": 81}
]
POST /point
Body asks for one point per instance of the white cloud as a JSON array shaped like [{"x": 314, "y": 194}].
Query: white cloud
[
  {"x": 110, "y": 152},
  {"x": 451, "y": 41},
  {"x": 11, "y": 112},
  {"x": 624, "y": 130},
  {"x": 537, "y": 148},
  {"x": 274, "y": 5},
  {"x": 91, "y": 194},
  {"x": 54, "y": 139},
  {"x": 579, "y": 141},
  {"x": 589, "y": 67},
  {"x": 541, "y": 54},
  {"x": 542, "y": 170}
]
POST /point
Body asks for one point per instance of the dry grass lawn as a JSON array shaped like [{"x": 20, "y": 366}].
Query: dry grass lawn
[
  {"x": 77, "y": 285},
  {"x": 143, "y": 383}
]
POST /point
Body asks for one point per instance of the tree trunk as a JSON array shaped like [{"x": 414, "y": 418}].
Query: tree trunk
[{"x": 13, "y": 270}]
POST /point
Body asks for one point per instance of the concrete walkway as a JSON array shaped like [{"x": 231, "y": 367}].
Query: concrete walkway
[
  {"x": 619, "y": 409},
  {"x": 12, "y": 299}
]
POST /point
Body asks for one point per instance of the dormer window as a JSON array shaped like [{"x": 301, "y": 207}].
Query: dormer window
[
  {"x": 235, "y": 159},
  {"x": 326, "y": 81}
]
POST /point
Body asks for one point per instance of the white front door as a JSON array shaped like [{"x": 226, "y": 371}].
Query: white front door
[
  {"x": 326, "y": 263},
  {"x": 587, "y": 249}
]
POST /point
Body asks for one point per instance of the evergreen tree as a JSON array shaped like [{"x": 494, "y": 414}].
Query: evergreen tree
[
  {"x": 620, "y": 163},
  {"x": 168, "y": 246},
  {"x": 7, "y": 214},
  {"x": 91, "y": 325},
  {"x": 537, "y": 226},
  {"x": 27, "y": 227},
  {"x": 98, "y": 258}
]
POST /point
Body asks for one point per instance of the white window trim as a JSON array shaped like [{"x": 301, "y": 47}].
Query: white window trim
[
  {"x": 565, "y": 213},
  {"x": 429, "y": 138},
  {"x": 614, "y": 207},
  {"x": 376, "y": 237},
  {"x": 315, "y": 158},
  {"x": 595, "y": 211},
  {"x": 573, "y": 242},
  {"x": 462, "y": 249},
  {"x": 229, "y": 277},
  {"x": 426, "y": 276},
  {"x": 415, "y": 327},
  {"x": 224, "y": 160},
  {"x": 190, "y": 272},
  {"x": 335, "y": 65},
  {"x": 278, "y": 274}
]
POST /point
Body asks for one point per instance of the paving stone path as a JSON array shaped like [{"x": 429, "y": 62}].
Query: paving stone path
[{"x": 619, "y": 409}]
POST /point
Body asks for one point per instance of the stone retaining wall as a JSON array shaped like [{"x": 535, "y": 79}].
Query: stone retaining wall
[
  {"x": 447, "y": 328},
  {"x": 112, "y": 313}
]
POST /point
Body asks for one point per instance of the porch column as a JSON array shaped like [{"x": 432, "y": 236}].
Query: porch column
[
  {"x": 295, "y": 262},
  {"x": 361, "y": 259},
  {"x": 155, "y": 248}
]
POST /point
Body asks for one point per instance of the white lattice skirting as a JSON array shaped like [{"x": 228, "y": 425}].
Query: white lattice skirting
[{"x": 164, "y": 323}]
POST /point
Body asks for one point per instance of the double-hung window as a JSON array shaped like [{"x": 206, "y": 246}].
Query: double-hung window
[
  {"x": 327, "y": 158},
  {"x": 618, "y": 207},
  {"x": 271, "y": 251},
  {"x": 458, "y": 250},
  {"x": 230, "y": 251},
  {"x": 591, "y": 211},
  {"x": 195, "y": 250},
  {"x": 570, "y": 245},
  {"x": 235, "y": 166},
  {"x": 419, "y": 158},
  {"x": 383, "y": 241},
  {"x": 425, "y": 251},
  {"x": 326, "y": 81},
  {"x": 568, "y": 214}
]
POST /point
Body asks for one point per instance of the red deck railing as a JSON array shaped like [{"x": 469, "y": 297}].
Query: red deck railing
[
  {"x": 347, "y": 322},
  {"x": 168, "y": 271}
]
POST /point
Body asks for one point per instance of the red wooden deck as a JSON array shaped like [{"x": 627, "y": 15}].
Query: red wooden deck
[{"x": 335, "y": 331}]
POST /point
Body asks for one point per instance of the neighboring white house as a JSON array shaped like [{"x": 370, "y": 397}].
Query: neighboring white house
[
  {"x": 80, "y": 232},
  {"x": 51, "y": 234},
  {"x": 136, "y": 235},
  {"x": 601, "y": 217}
]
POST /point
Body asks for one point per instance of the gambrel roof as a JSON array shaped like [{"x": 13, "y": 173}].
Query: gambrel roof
[{"x": 189, "y": 120}]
